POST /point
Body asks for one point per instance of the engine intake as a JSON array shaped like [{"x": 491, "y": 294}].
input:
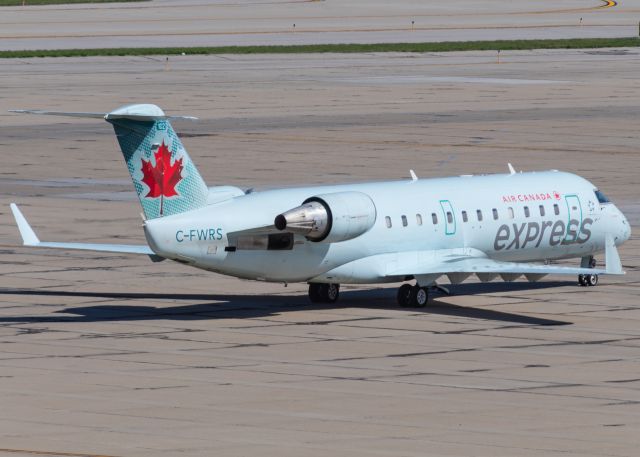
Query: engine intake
[{"x": 330, "y": 218}]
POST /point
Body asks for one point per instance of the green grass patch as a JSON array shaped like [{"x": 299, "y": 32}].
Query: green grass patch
[
  {"x": 59, "y": 2},
  {"x": 445, "y": 46}
]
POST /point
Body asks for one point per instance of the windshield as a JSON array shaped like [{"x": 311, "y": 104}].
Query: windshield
[{"x": 602, "y": 198}]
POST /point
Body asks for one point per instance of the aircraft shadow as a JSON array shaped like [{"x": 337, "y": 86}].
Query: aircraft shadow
[{"x": 228, "y": 306}]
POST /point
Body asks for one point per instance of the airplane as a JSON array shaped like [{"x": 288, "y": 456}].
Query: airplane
[{"x": 411, "y": 231}]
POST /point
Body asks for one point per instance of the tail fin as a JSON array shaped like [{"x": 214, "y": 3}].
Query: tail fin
[{"x": 166, "y": 180}]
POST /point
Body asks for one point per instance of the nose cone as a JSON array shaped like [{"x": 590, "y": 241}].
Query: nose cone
[{"x": 624, "y": 228}]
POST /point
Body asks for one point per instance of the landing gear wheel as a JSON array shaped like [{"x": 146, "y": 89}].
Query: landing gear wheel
[
  {"x": 413, "y": 296},
  {"x": 591, "y": 280},
  {"x": 330, "y": 293},
  {"x": 405, "y": 292},
  {"x": 581, "y": 281},
  {"x": 323, "y": 293},
  {"x": 420, "y": 296},
  {"x": 314, "y": 292}
]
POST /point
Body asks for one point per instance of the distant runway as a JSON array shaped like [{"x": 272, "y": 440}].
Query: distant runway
[
  {"x": 250, "y": 22},
  {"x": 113, "y": 355}
]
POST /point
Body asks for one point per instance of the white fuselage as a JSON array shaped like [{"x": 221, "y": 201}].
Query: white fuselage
[{"x": 511, "y": 217}]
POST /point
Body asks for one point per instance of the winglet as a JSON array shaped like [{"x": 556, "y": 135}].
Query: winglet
[
  {"x": 511, "y": 169},
  {"x": 612, "y": 259},
  {"x": 413, "y": 175},
  {"x": 29, "y": 237}
]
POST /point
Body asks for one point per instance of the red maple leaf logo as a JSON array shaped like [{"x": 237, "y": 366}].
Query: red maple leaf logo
[
  {"x": 164, "y": 177},
  {"x": 556, "y": 195}
]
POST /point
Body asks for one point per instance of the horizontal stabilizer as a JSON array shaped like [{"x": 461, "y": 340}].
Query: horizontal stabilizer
[
  {"x": 139, "y": 112},
  {"x": 58, "y": 113},
  {"x": 29, "y": 238}
]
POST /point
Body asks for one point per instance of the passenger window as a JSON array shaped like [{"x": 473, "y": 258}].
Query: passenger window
[
  {"x": 526, "y": 211},
  {"x": 464, "y": 216},
  {"x": 419, "y": 219},
  {"x": 511, "y": 215},
  {"x": 556, "y": 209},
  {"x": 387, "y": 220},
  {"x": 404, "y": 221},
  {"x": 449, "y": 217},
  {"x": 434, "y": 218},
  {"x": 541, "y": 210},
  {"x": 479, "y": 214},
  {"x": 495, "y": 214}
]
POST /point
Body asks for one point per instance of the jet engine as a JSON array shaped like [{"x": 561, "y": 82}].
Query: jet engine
[{"x": 330, "y": 218}]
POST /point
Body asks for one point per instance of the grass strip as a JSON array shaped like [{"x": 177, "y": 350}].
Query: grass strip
[
  {"x": 444, "y": 46},
  {"x": 59, "y": 2}
]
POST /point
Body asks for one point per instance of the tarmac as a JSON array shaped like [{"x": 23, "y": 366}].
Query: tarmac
[
  {"x": 113, "y": 355},
  {"x": 162, "y": 23}
]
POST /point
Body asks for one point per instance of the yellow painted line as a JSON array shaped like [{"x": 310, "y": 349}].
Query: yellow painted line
[
  {"x": 55, "y": 454},
  {"x": 607, "y": 4},
  {"x": 201, "y": 17}
]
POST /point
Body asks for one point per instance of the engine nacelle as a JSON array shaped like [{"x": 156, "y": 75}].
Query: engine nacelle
[{"x": 330, "y": 218}]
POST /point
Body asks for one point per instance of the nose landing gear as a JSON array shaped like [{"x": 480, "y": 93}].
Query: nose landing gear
[{"x": 588, "y": 280}]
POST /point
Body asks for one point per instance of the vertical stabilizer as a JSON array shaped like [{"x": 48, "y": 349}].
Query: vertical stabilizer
[{"x": 166, "y": 180}]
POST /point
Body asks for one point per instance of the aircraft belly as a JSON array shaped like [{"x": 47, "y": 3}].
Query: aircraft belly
[{"x": 300, "y": 264}]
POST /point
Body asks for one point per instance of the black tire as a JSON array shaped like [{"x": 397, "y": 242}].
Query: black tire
[
  {"x": 314, "y": 292},
  {"x": 591, "y": 280},
  {"x": 405, "y": 292},
  {"x": 420, "y": 296},
  {"x": 323, "y": 293},
  {"x": 581, "y": 281},
  {"x": 331, "y": 293}
]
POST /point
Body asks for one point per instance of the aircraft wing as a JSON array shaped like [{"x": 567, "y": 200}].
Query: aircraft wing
[
  {"x": 473, "y": 265},
  {"x": 29, "y": 238},
  {"x": 472, "y": 261}
]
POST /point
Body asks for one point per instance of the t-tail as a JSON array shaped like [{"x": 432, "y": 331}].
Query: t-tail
[{"x": 165, "y": 179}]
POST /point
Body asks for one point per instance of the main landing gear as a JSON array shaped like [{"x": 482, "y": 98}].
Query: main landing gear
[
  {"x": 323, "y": 293},
  {"x": 588, "y": 280},
  {"x": 408, "y": 296},
  {"x": 413, "y": 296}
]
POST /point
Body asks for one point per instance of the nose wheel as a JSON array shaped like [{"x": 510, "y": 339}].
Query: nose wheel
[
  {"x": 323, "y": 293},
  {"x": 588, "y": 280},
  {"x": 413, "y": 296}
]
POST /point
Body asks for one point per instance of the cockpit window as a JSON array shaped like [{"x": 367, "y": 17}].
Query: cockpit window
[{"x": 602, "y": 198}]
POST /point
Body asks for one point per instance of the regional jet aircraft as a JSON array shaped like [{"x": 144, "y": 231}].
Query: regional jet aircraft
[{"x": 382, "y": 232}]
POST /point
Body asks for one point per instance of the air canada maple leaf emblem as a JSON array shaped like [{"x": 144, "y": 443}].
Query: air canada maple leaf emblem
[{"x": 162, "y": 178}]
